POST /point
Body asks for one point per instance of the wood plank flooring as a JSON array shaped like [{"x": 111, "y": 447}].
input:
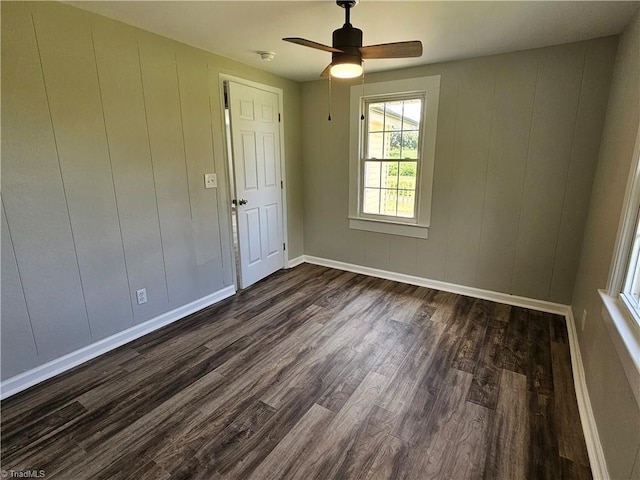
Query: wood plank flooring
[{"x": 315, "y": 373}]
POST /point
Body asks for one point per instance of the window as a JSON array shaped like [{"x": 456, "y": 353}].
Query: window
[
  {"x": 621, "y": 300},
  {"x": 391, "y": 156},
  {"x": 393, "y": 130},
  {"x": 630, "y": 292}
]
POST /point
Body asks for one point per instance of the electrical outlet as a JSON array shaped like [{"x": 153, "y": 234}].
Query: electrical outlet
[
  {"x": 210, "y": 180},
  {"x": 142, "y": 296},
  {"x": 583, "y": 321}
]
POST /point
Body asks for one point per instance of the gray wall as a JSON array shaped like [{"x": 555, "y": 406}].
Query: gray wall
[
  {"x": 107, "y": 132},
  {"x": 516, "y": 151},
  {"x": 614, "y": 405},
  {"x": 108, "y": 129}
]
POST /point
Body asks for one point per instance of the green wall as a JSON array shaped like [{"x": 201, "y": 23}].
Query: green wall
[
  {"x": 107, "y": 133},
  {"x": 516, "y": 151},
  {"x": 615, "y": 409}
]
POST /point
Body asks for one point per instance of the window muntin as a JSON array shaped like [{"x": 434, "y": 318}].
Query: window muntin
[{"x": 391, "y": 155}]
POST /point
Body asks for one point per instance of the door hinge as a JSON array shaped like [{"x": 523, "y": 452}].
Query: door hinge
[
  {"x": 284, "y": 247},
  {"x": 281, "y": 184},
  {"x": 279, "y": 118}
]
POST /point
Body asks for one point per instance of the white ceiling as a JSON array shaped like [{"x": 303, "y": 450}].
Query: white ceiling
[{"x": 448, "y": 30}]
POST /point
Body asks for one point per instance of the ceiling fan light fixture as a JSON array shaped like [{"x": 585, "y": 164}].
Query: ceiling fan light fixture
[
  {"x": 346, "y": 70},
  {"x": 347, "y": 51},
  {"x": 346, "y": 66}
]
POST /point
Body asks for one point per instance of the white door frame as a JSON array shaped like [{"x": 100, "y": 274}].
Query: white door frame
[{"x": 283, "y": 192}]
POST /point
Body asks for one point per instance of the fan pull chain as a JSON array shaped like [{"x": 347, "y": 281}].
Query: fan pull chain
[
  {"x": 329, "y": 118},
  {"x": 362, "y": 114}
]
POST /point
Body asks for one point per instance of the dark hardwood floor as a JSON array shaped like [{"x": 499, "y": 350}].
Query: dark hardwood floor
[{"x": 315, "y": 373}]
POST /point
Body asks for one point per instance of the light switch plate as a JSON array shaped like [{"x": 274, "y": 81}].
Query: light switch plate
[{"x": 210, "y": 180}]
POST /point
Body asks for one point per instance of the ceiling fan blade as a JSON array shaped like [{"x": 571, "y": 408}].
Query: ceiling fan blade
[
  {"x": 308, "y": 43},
  {"x": 393, "y": 50},
  {"x": 326, "y": 72}
]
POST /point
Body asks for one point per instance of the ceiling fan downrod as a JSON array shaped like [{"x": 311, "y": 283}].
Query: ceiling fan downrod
[{"x": 347, "y": 5}]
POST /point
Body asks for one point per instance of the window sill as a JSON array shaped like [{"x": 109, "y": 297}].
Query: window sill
[
  {"x": 626, "y": 338},
  {"x": 391, "y": 228}
]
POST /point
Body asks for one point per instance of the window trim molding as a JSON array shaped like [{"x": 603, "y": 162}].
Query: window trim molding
[
  {"x": 618, "y": 316},
  {"x": 627, "y": 226},
  {"x": 625, "y": 338},
  {"x": 389, "y": 227},
  {"x": 418, "y": 227}
]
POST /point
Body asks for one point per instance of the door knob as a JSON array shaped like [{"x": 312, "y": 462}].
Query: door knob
[{"x": 242, "y": 202}]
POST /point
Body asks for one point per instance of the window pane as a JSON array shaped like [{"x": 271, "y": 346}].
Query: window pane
[
  {"x": 376, "y": 141},
  {"x": 635, "y": 285},
  {"x": 393, "y": 116},
  {"x": 371, "y": 202},
  {"x": 376, "y": 117},
  {"x": 406, "y": 203},
  {"x": 412, "y": 114},
  {"x": 407, "y": 172},
  {"x": 409, "y": 145},
  {"x": 394, "y": 145},
  {"x": 632, "y": 286},
  {"x": 388, "y": 148},
  {"x": 388, "y": 202},
  {"x": 372, "y": 172},
  {"x": 389, "y": 174}
]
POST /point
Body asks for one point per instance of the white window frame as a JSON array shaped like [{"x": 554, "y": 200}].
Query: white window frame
[
  {"x": 620, "y": 314},
  {"x": 417, "y": 227},
  {"x": 632, "y": 304},
  {"x": 364, "y": 133}
]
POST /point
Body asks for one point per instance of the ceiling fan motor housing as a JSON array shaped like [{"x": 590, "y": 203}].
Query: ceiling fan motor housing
[{"x": 349, "y": 40}]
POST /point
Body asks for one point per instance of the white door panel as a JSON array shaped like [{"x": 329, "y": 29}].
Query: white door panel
[
  {"x": 252, "y": 217},
  {"x": 255, "y": 142},
  {"x": 250, "y": 161},
  {"x": 246, "y": 109},
  {"x": 273, "y": 228},
  {"x": 267, "y": 113},
  {"x": 270, "y": 166}
]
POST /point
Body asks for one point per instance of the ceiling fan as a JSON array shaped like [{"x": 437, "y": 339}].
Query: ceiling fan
[{"x": 347, "y": 51}]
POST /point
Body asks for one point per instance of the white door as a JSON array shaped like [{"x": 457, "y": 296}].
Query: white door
[{"x": 255, "y": 141}]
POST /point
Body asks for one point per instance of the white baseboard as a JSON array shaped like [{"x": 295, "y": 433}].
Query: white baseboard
[
  {"x": 514, "y": 300},
  {"x": 294, "y": 262},
  {"x": 50, "y": 369},
  {"x": 592, "y": 438},
  {"x": 589, "y": 427}
]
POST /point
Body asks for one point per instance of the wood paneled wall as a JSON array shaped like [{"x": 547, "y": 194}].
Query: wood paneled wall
[
  {"x": 614, "y": 404},
  {"x": 517, "y": 147},
  {"x": 107, "y": 133}
]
